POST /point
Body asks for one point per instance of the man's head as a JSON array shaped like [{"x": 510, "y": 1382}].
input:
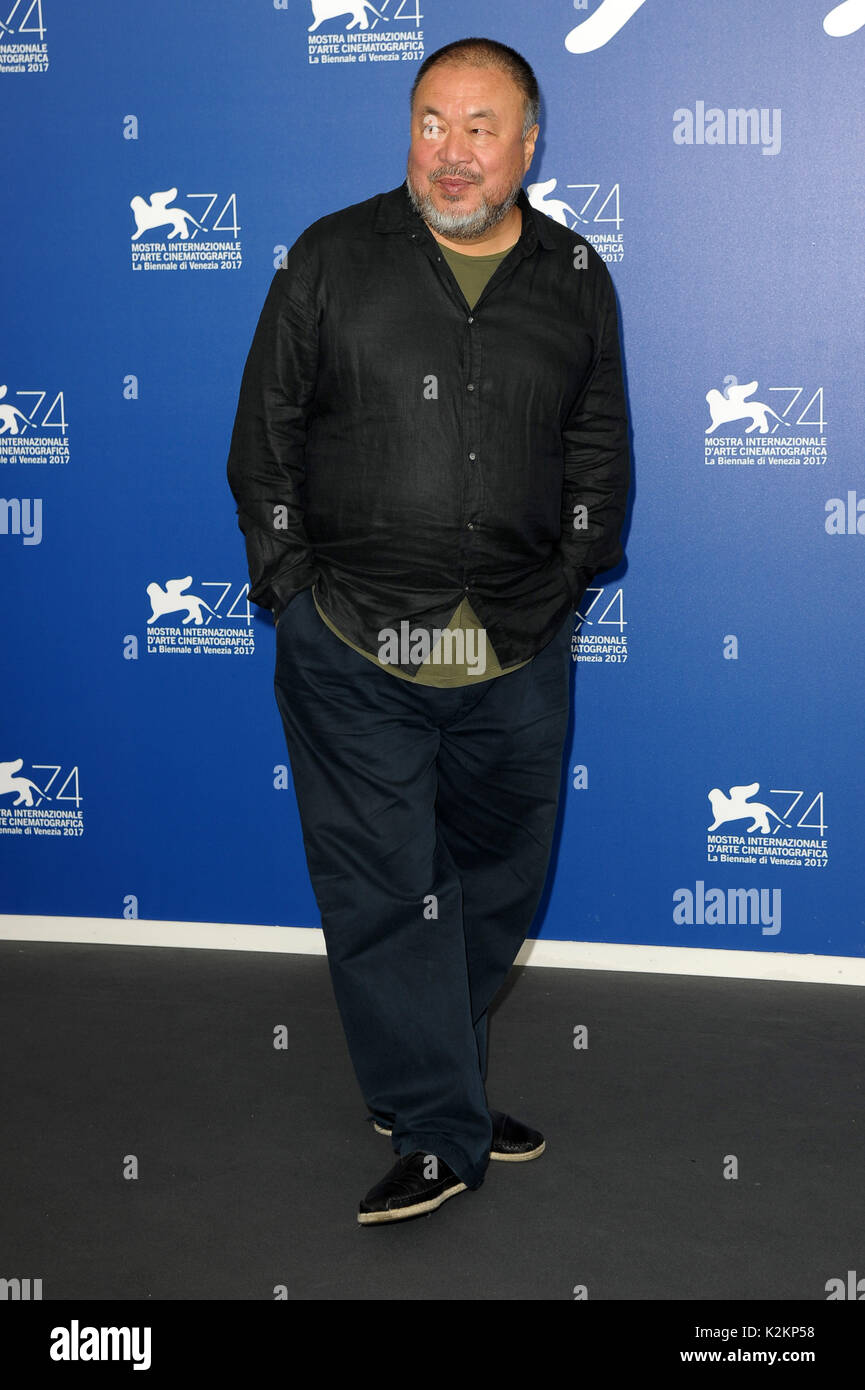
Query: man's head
[{"x": 474, "y": 113}]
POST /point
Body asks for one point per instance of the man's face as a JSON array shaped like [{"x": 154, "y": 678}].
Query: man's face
[{"x": 468, "y": 156}]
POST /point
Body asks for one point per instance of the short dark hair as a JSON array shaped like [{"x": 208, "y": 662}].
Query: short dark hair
[{"x": 489, "y": 53}]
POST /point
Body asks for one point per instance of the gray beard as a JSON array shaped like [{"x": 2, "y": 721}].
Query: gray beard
[{"x": 463, "y": 226}]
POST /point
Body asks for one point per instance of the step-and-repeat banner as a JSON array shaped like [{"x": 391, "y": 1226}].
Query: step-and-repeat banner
[{"x": 159, "y": 159}]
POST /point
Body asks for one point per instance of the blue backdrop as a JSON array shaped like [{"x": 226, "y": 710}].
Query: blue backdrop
[{"x": 159, "y": 159}]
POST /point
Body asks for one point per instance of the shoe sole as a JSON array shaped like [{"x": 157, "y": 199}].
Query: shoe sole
[
  {"x": 519, "y": 1158},
  {"x": 371, "y": 1218},
  {"x": 499, "y": 1158}
]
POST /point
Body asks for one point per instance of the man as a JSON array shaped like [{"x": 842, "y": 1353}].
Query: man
[{"x": 430, "y": 463}]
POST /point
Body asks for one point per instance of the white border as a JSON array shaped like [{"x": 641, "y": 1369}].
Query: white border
[{"x": 568, "y": 955}]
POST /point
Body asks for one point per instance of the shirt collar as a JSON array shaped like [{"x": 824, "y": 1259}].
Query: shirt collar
[{"x": 396, "y": 214}]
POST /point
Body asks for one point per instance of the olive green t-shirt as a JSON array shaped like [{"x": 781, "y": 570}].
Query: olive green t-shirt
[{"x": 443, "y": 667}]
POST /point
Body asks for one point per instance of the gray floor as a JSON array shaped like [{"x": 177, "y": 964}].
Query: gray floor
[{"x": 251, "y": 1160}]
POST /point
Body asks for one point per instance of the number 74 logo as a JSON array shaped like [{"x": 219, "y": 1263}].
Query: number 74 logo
[{"x": 602, "y": 616}]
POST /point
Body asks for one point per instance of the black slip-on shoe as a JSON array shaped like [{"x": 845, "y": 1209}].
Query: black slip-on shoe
[
  {"x": 417, "y": 1183},
  {"x": 512, "y": 1142}
]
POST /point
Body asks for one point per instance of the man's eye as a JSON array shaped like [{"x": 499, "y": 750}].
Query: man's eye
[{"x": 430, "y": 130}]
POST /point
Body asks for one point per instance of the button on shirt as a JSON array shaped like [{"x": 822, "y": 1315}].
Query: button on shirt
[
  {"x": 405, "y": 452},
  {"x": 473, "y": 660}
]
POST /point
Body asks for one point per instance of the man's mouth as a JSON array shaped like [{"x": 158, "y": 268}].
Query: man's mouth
[{"x": 454, "y": 185}]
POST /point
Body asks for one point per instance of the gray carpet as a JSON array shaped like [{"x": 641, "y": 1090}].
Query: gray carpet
[{"x": 251, "y": 1160}]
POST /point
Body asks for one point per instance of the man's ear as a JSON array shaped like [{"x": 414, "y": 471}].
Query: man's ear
[{"x": 529, "y": 146}]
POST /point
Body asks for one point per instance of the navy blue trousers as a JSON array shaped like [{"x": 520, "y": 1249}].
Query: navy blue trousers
[{"x": 427, "y": 817}]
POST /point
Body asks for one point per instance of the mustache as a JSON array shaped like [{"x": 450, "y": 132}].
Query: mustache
[{"x": 443, "y": 173}]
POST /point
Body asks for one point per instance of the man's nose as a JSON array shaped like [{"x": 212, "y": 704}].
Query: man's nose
[{"x": 455, "y": 150}]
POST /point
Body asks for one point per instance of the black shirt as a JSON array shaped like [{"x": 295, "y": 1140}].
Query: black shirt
[{"x": 402, "y": 450}]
